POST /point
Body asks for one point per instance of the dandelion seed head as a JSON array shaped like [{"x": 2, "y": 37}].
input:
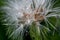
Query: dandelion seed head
[{"x": 25, "y": 12}]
